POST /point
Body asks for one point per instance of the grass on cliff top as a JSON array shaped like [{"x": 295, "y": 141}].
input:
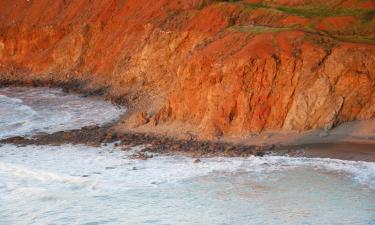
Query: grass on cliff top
[
  {"x": 362, "y": 32},
  {"x": 263, "y": 29},
  {"x": 256, "y": 29},
  {"x": 251, "y": 6},
  {"x": 308, "y": 12},
  {"x": 316, "y": 11},
  {"x": 355, "y": 39}
]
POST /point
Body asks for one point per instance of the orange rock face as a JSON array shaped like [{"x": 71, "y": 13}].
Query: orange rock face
[{"x": 225, "y": 68}]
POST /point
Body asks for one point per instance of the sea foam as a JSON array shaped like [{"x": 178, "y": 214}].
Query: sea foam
[{"x": 26, "y": 111}]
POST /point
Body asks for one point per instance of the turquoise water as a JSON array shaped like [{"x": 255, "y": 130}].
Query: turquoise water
[{"x": 87, "y": 185}]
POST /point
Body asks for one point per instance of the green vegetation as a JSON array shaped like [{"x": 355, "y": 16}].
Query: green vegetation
[
  {"x": 264, "y": 29},
  {"x": 356, "y": 39},
  {"x": 307, "y": 11},
  {"x": 362, "y": 31},
  {"x": 257, "y": 29},
  {"x": 314, "y": 11},
  {"x": 368, "y": 16},
  {"x": 256, "y": 6}
]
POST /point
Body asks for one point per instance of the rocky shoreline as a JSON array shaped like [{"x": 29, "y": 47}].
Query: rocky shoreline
[
  {"x": 97, "y": 136},
  {"x": 188, "y": 146}
]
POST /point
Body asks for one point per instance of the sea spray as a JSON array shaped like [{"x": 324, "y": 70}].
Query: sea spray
[{"x": 27, "y": 111}]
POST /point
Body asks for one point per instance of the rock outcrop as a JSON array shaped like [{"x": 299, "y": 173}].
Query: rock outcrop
[{"x": 224, "y": 67}]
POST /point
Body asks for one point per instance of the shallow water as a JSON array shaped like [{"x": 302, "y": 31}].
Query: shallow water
[
  {"x": 78, "y": 185},
  {"x": 86, "y": 185},
  {"x": 26, "y": 111}
]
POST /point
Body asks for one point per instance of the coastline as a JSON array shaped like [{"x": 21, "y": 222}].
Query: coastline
[
  {"x": 249, "y": 67},
  {"x": 350, "y": 141},
  {"x": 96, "y": 136},
  {"x": 187, "y": 112}
]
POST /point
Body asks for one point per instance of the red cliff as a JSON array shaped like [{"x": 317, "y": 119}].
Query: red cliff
[{"x": 215, "y": 67}]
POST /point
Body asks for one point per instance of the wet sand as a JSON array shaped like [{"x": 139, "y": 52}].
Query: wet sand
[
  {"x": 97, "y": 136},
  {"x": 344, "y": 151}
]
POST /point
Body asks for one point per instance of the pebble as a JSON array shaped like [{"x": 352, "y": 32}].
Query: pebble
[{"x": 260, "y": 153}]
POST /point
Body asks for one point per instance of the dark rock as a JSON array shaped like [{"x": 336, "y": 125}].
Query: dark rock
[{"x": 197, "y": 161}]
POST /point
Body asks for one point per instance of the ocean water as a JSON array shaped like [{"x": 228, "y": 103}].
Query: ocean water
[
  {"x": 85, "y": 185},
  {"x": 26, "y": 111},
  {"x": 76, "y": 184}
]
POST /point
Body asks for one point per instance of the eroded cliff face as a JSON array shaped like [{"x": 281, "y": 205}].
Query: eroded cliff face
[{"x": 222, "y": 67}]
